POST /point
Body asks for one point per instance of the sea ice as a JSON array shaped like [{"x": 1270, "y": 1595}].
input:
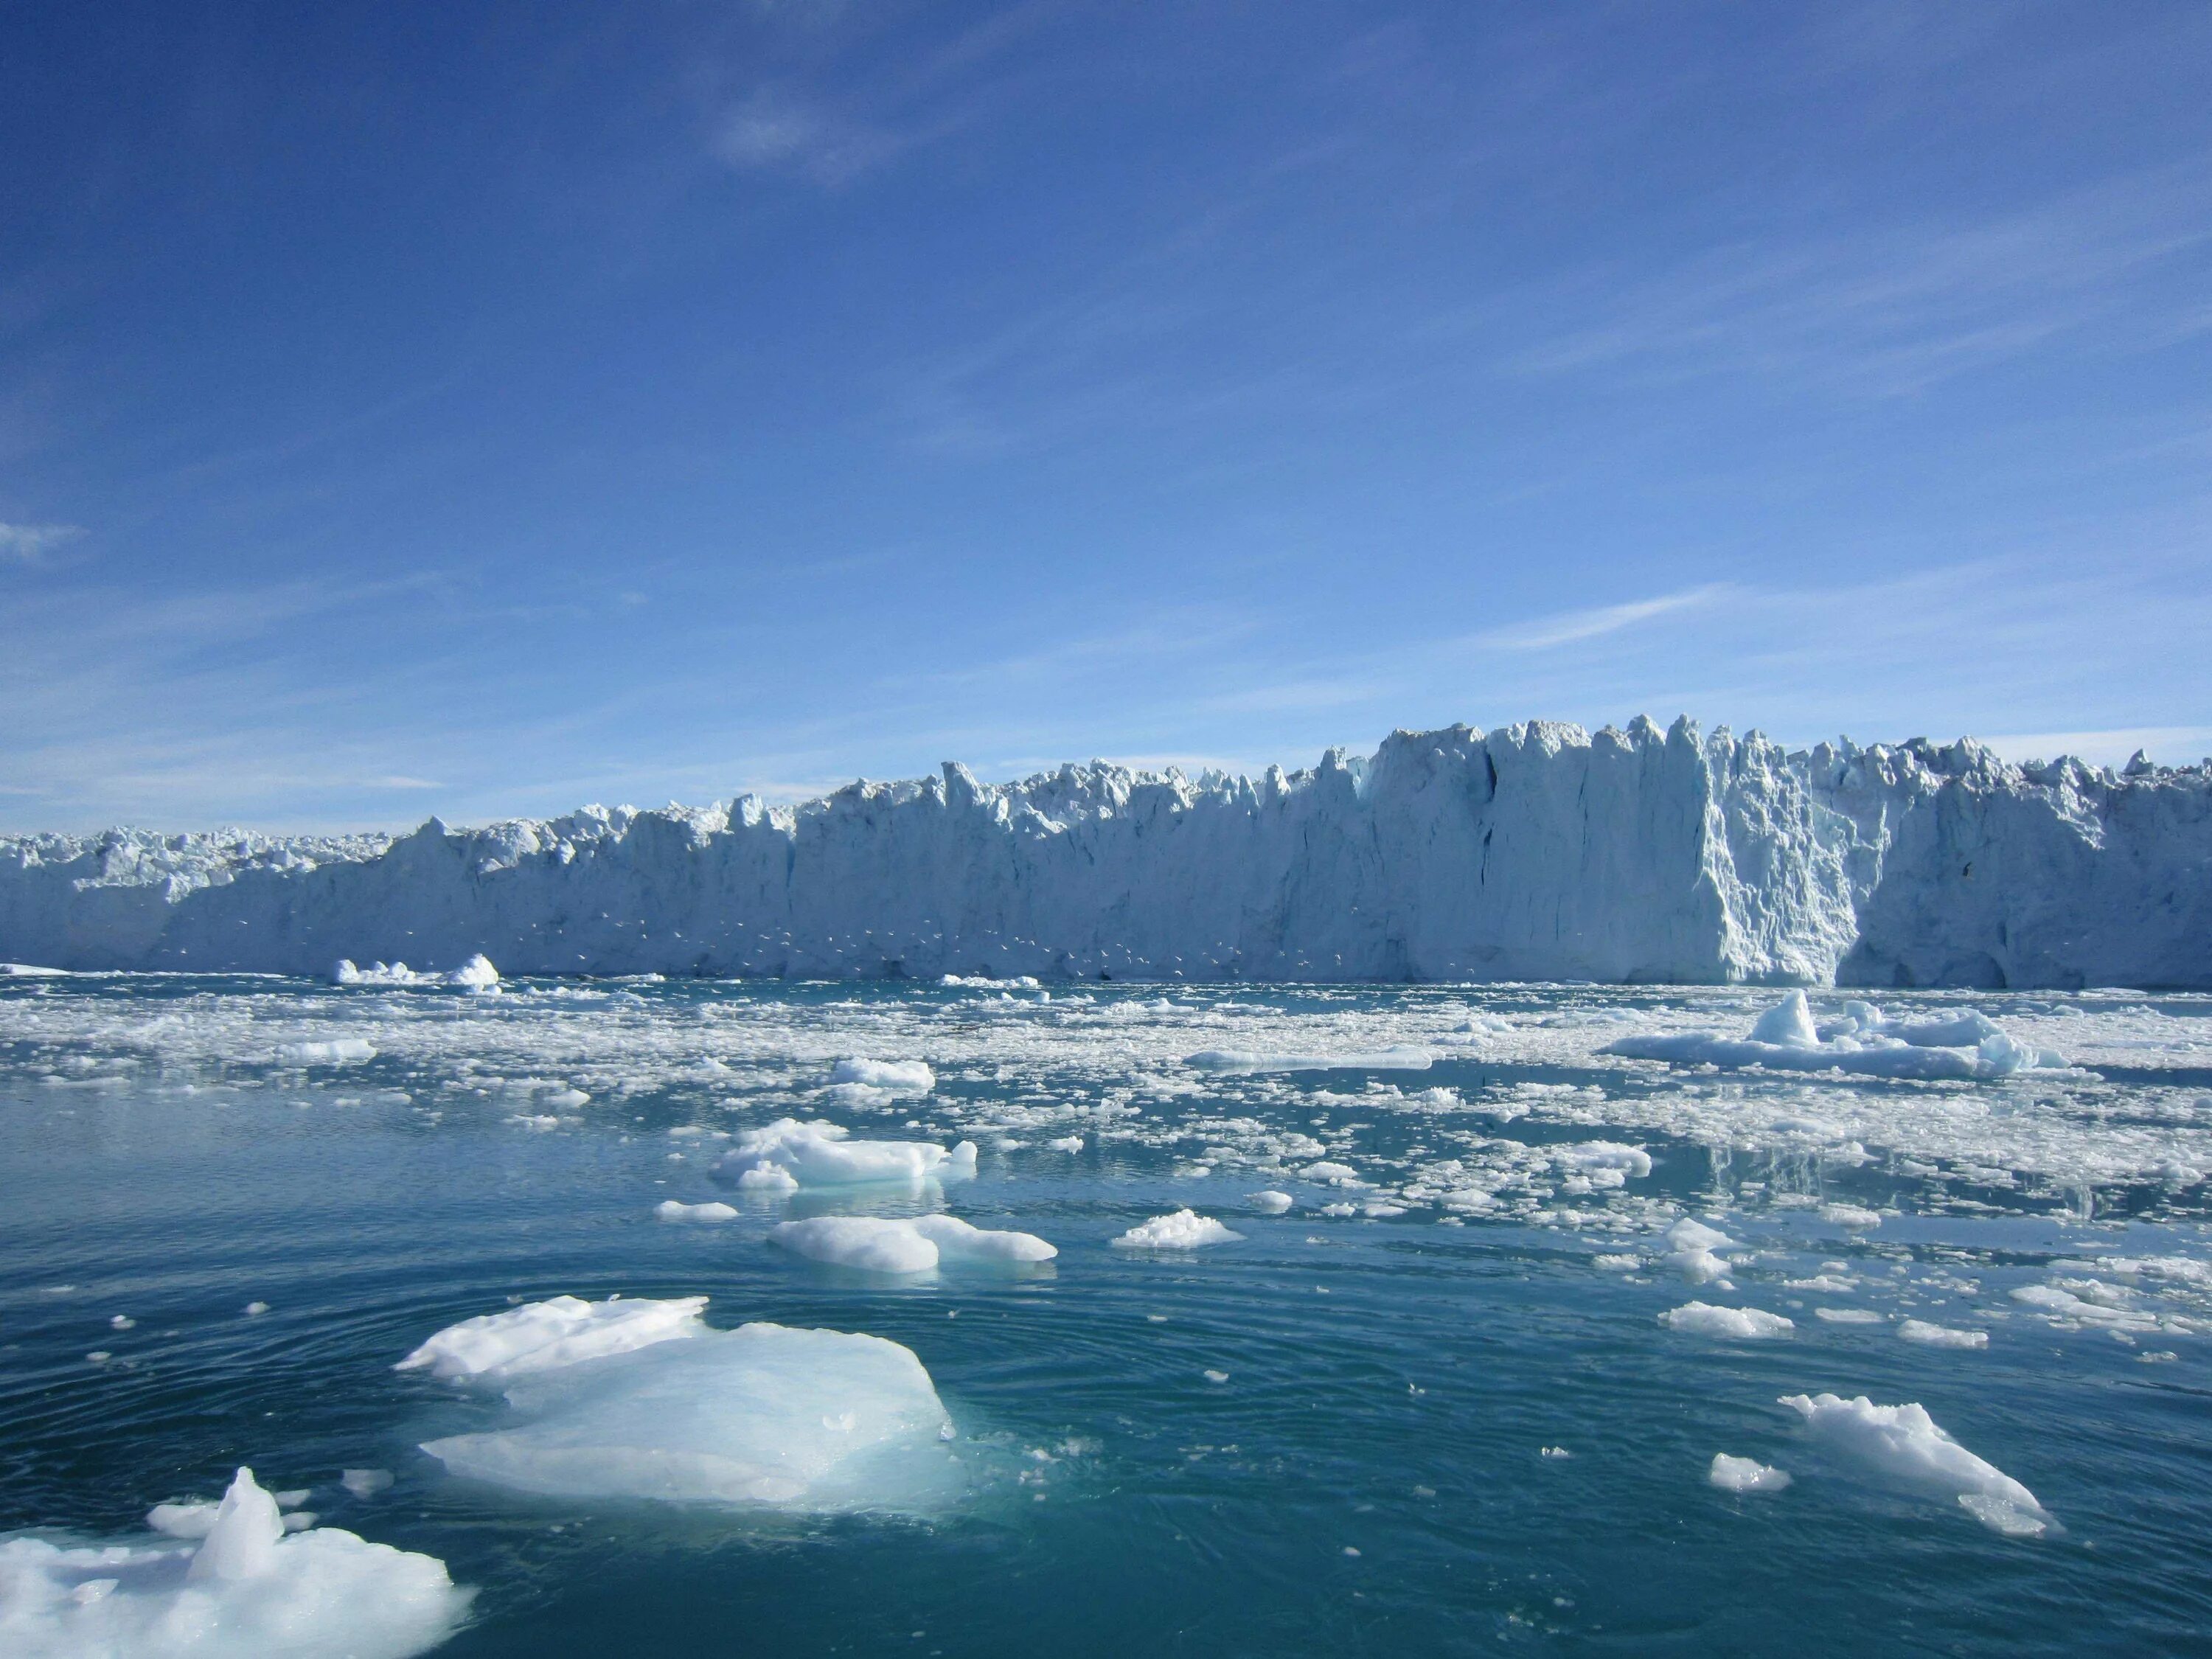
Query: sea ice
[
  {"x": 764, "y": 1415},
  {"x": 492, "y": 1348},
  {"x": 1691, "y": 1251},
  {"x": 1745, "y": 1324},
  {"x": 1784, "y": 1038},
  {"x": 789, "y": 1153},
  {"x": 1270, "y": 1202},
  {"x": 1186, "y": 1230},
  {"x": 1850, "y": 1215},
  {"x": 1941, "y": 1336},
  {"x": 898, "y": 1077},
  {"x": 878, "y": 1245},
  {"x": 1240, "y": 1061},
  {"x": 698, "y": 1214},
  {"x": 1745, "y": 1475},
  {"x": 335, "y": 1052},
  {"x": 1904, "y": 1444},
  {"x": 247, "y": 1586}
]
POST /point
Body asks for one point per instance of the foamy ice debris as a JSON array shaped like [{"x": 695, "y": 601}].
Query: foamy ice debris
[
  {"x": 789, "y": 1154},
  {"x": 708, "y": 1215},
  {"x": 1186, "y": 1230},
  {"x": 1745, "y": 1475},
  {"x": 240, "y": 1584},
  {"x": 1246, "y": 1062},
  {"x": 1691, "y": 1247},
  {"x": 1906, "y": 1444},
  {"x": 873, "y": 1244},
  {"x": 1735, "y": 1324},
  {"x": 764, "y": 1415},
  {"x": 896, "y": 1077},
  {"x": 1784, "y": 1038},
  {"x": 476, "y": 975}
]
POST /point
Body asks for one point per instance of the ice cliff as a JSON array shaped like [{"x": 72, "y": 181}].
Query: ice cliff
[{"x": 1534, "y": 852}]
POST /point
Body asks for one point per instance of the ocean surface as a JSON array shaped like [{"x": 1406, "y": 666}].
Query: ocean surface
[{"x": 1435, "y": 1408}]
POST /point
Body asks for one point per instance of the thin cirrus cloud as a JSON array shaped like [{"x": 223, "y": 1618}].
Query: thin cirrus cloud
[
  {"x": 1571, "y": 627},
  {"x": 28, "y": 542}
]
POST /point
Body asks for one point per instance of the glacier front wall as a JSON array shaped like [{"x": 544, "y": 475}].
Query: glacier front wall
[{"x": 1534, "y": 852}]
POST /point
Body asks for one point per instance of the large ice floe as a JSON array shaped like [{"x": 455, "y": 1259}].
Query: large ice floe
[
  {"x": 789, "y": 1154},
  {"x": 218, "y": 1580},
  {"x": 875, "y": 1244},
  {"x": 1904, "y": 1444},
  {"x": 1534, "y": 852},
  {"x": 644, "y": 1400},
  {"x": 1864, "y": 1042}
]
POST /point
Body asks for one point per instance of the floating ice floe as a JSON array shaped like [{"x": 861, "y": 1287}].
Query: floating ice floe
[
  {"x": 1735, "y": 1324},
  {"x": 1941, "y": 1336},
  {"x": 789, "y": 1154},
  {"x": 1691, "y": 1247},
  {"x": 1186, "y": 1230},
  {"x": 550, "y": 1335},
  {"x": 708, "y": 1215},
  {"x": 874, "y": 1244},
  {"x": 241, "y": 1583},
  {"x": 893, "y": 1077},
  {"x": 1784, "y": 1038},
  {"x": 1850, "y": 1215},
  {"x": 761, "y": 1416},
  {"x": 1241, "y": 1061},
  {"x": 337, "y": 1051},
  {"x": 1269, "y": 1202},
  {"x": 26, "y": 970},
  {"x": 1745, "y": 1475},
  {"x": 1906, "y": 1444},
  {"x": 475, "y": 975}
]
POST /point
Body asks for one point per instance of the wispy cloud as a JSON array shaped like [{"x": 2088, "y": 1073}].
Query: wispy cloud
[
  {"x": 1567, "y": 627},
  {"x": 28, "y": 542}
]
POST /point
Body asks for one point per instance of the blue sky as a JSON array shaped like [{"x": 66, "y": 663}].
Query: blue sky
[{"x": 483, "y": 410}]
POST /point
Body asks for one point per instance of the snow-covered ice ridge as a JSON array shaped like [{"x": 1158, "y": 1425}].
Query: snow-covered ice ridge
[{"x": 1537, "y": 851}]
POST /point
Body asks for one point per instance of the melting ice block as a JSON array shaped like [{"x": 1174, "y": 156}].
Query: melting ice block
[
  {"x": 899, "y": 1077},
  {"x": 247, "y": 1586},
  {"x": 547, "y": 1335},
  {"x": 788, "y": 1153},
  {"x": 1969, "y": 1046},
  {"x": 1904, "y": 1444},
  {"x": 1186, "y": 1230},
  {"x": 1745, "y": 1475},
  {"x": 1734, "y": 1324},
  {"x": 764, "y": 1415},
  {"x": 878, "y": 1245}
]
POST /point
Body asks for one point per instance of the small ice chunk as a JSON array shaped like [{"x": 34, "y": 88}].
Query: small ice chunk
[
  {"x": 1691, "y": 1247},
  {"x": 475, "y": 975},
  {"x": 1617, "y": 1263},
  {"x": 1850, "y": 1215},
  {"x": 255, "y": 1309},
  {"x": 194, "y": 1518},
  {"x": 1066, "y": 1143},
  {"x": 365, "y": 1484},
  {"x": 1788, "y": 1024},
  {"x": 491, "y": 1348},
  {"x": 250, "y": 1584},
  {"x": 1904, "y": 1444},
  {"x": 822, "y": 1155},
  {"x": 897, "y": 1077},
  {"x": 1270, "y": 1202},
  {"x": 1942, "y": 1336},
  {"x": 705, "y": 1214},
  {"x": 1736, "y": 1324},
  {"x": 763, "y": 1416},
  {"x": 1849, "y": 1316},
  {"x": 335, "y": 1052},
  {"x": 1186, "y": 1230},
  {"x": 1217, "y": 1377},
  {"x": 873, "y": 1244},
  {"x": 1745, "y": 1475},
  {"x": 1594, "y": 1155}
]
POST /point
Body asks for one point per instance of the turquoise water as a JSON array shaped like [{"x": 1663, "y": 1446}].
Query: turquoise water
[{"x": 1371, "y": 1476}]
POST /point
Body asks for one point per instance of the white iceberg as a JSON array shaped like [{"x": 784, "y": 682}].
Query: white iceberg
[
  {"x": 1906, "y": 1444},
  {"x": 538, "y": 1336},
  {"x": 1734, "y": 1324},
  {"x": 1692, "y": 1251},
  {"x": 788, "y": 1153},
  {"x": 766, "y": 1415},
  {"x": 698, "y": 1215},
  {"x": 1784, "y": 1038},
  {"x": 246, "y": 1586},
  {"x": 1186, "y": 1230},
  {"x": 1745, "y": 1475},
  {"x": 873, "y": 1244}
]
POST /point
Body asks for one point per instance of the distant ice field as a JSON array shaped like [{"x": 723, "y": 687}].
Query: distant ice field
[{"x": 1300, "y": 1319}]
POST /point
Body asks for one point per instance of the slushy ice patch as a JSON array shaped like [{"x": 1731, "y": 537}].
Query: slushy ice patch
[
  {"x": 242, "y": 1585},
  {"x": 764, "y": 1416}
]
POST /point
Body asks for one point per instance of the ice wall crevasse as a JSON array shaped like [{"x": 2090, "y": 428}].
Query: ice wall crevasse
[{"x": 1536, "y": 850}]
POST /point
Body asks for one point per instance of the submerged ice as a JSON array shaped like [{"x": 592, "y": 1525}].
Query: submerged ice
[{"x": 761, "y": 1416}]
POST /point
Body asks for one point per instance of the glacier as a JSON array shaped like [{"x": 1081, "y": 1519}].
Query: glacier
[{"x": 1534, "y": 852}]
